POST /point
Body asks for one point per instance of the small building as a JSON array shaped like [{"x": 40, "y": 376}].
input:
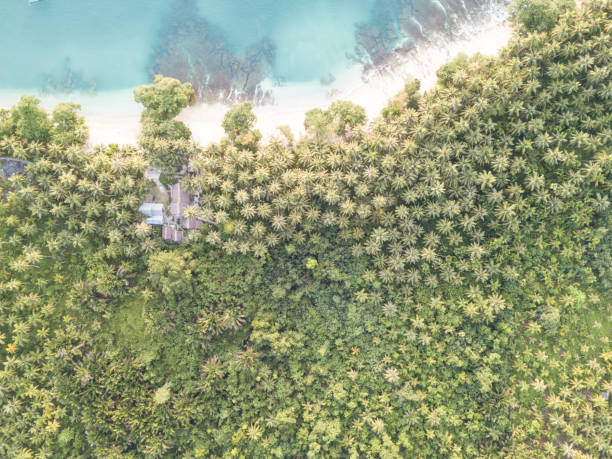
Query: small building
[
  {"x": 167, "y": 233},
  {"x": 179, "y": 200},
  {"x": 172, "y": 222},
  {"x": 154, "y": 213},
  {"x": 12, "y": 166},
  {"x": 172, "y": 234},
  {"x": 191, "y": 223}
]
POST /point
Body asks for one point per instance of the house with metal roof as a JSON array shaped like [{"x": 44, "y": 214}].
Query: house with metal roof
[
  {"x": 154, "y": 213},
  {"x": 191, "y": 223},
  {"x": 173, "y": 222}
]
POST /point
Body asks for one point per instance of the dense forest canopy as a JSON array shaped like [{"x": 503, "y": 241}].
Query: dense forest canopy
[{"x": 435, "y": 283}]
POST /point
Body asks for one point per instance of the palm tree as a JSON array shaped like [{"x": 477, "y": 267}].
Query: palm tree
[
  {"x": 191, "y": 212},
  {"x": 142, "y": 230},
  {"x": 505, "y": 212},
  {"x": 248, "y": 211}
]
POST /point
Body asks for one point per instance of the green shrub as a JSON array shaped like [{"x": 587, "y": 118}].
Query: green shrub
[
  {"x": 167, "y": 180},
  {"x": 538, "y": 15},
  {"x": 165, "y": 98},
  {"x": 31, "y": 122}
]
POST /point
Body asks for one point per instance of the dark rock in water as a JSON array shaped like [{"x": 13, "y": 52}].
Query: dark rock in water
[
  {"x": 431, "y": 14},
  {"x": 412, "y": 28},
  {"x": 408, "y": 45},
  {"x": 68, "y": 81},
  {"x": 191, "y": 49},
  {"x": 399, "y": 25}
]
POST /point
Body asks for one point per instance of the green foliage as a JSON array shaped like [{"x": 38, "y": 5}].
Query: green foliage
[
  {"x": 408, "y": 98},
  {"x": 6, "y": 123},
  {"x": 558, "y": 392},
  {"x": 538, "y": 15},
  {"x": 165, "y": 141},
  {"x": 311, "y": 263},
  {"x": 164, "y": 99},
  {"x": 239, "y": 119},
  {"x": 162, "y": 395},
  {"x": 68, "y": 127},
  {"x": 68, "y": 230},
  {"x": 166, "y": 144},
  {"x": 346, "y": 114},
  {"x": 238, "y": 124},
  {"x": 430, "y": 197},
  {"x": 128, "y": 327},
  {"x": 169, "y": 130},
  {"x": 436, "y": 285},
  {"x": 170, "y": 272},
  {"x": 316, "y": 121},
  {"x": 340, "y": 118},
  {"x": 167, "y": 180},
  {"x": 455, "y": 70},
  {"x": 27, "y": 130},
  {"x": 31, "y": 122},
  {"x": 445, "y": 73}
]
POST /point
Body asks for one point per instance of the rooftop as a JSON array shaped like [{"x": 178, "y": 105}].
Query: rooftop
[
  {"x": 170, "y": 233},
  {"x": 12, "y": 166},
  {"x": 174, "y": 223},
  {"x": 179, "y": 200},
  {"x": 154, "y": 212}
]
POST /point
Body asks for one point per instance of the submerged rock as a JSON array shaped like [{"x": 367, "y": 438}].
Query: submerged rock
[
  {"x": 191, "y": 49},
  {"x": 67, "y": 81},
  {"x": 399, "y": 25}
]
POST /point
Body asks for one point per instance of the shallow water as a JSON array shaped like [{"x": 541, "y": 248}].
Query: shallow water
[
  {"x": 226, "y": 48},
  {"x": 312, "y": 37},
  {"x": 119, "y": 56},
  {"x": 110, "y": 44},
  {"x": 86, "y": 44}
]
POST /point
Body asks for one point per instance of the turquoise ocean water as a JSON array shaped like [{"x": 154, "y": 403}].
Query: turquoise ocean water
[{"x": 98, "y": 45}]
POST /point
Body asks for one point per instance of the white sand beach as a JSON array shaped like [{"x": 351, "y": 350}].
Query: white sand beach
[
  {"x": 114, "y": 117},
  {"x": 372, "y": 91}
]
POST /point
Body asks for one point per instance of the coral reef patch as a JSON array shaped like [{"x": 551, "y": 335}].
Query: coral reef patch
[
  {"x": 68, "y": 80},
  {"x": 396, "y": 26},
  {"x": 192, "y": 49}
]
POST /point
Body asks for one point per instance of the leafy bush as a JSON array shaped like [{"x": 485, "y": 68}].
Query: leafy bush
[
  {"x": 30, "y": 121},
  {"x": 538, "y": 15},
  {"x": 68, "y": 127},
  {"x": 407, "y": 98},
  {"x": 340, "y": 117},
  {"x": 239, "y": 120},
  {"x": 164, "y": 99},
  {"x": 433, "y": 285},
  {"x": 167, "y": 180}
]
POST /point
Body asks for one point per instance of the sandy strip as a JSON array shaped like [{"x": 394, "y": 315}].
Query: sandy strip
[
  {"x": 114, "y": 117},
  {"x": 371, "y": 91}
]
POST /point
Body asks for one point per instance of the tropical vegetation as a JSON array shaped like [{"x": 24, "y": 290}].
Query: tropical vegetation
[{"x": 436, "y": 283}]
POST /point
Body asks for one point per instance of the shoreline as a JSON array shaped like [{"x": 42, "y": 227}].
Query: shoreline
[
  {"x": 111, "y": 116},
  {"x": 114, "y": 117}
]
